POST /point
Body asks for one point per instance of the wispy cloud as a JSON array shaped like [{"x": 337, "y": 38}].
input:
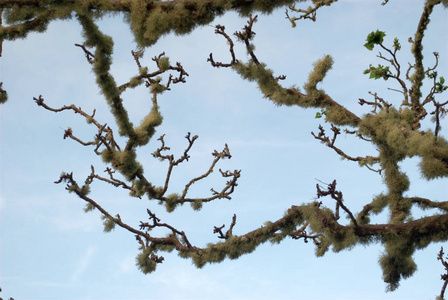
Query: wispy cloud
[
  {"x": 128, "y": 264},
  {"x": 187, "y": 282},
  {"x": 82, "y": 264},
  {"x": 47, "y": 283}
]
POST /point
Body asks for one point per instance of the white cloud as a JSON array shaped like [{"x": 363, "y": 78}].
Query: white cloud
[
  {"x": 76, "y": 220},
  {"x": 127, "y": 265},
  {"x": 83, "y": 263},
  {"x": 46, "y": 283},
  {"x": 188, "y": 281}
]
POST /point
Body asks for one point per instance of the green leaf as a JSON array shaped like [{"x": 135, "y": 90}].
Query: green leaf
[
  {"x": 374, "y": 38},
  {"x": 320, "y": 114},
  {"x": 378, "y": 72},
  {"x": 397, "y": 45},
  {"x": 440, "y": 87}
]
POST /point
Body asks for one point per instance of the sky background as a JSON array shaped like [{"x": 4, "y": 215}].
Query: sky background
[{"x": 51, "y": 249}]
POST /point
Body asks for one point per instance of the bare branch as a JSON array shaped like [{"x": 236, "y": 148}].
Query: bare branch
[
  {"x": 301, "y": 233},
  {"x": 221, "y": 30},
  {"x": 379, "y": 103},
  {"x": 246, "y": 35},
  {"x": 336, "y": 195},
  {"x": 321, "y": 136},
  {"x": 309, "y": 13},
  {"x": 443, "y": 277},
  {"x": 89, "y": 55},
  {"x": 228, "y": 233}
]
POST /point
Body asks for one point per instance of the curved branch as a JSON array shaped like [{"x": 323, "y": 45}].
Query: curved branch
[{"x": 256, "y": 71}]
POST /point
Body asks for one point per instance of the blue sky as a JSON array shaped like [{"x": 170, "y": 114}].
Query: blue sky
[{"x": 51, "y": 249}]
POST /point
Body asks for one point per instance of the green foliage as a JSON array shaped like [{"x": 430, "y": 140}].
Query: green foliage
[
  {"x": 374, "y": 38},
  {"x": 440, "y": 86},
  {"x": 320, "y": 114},
  {"x": 396, "y": 45},
  {"x": 378, "y": 72}
]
